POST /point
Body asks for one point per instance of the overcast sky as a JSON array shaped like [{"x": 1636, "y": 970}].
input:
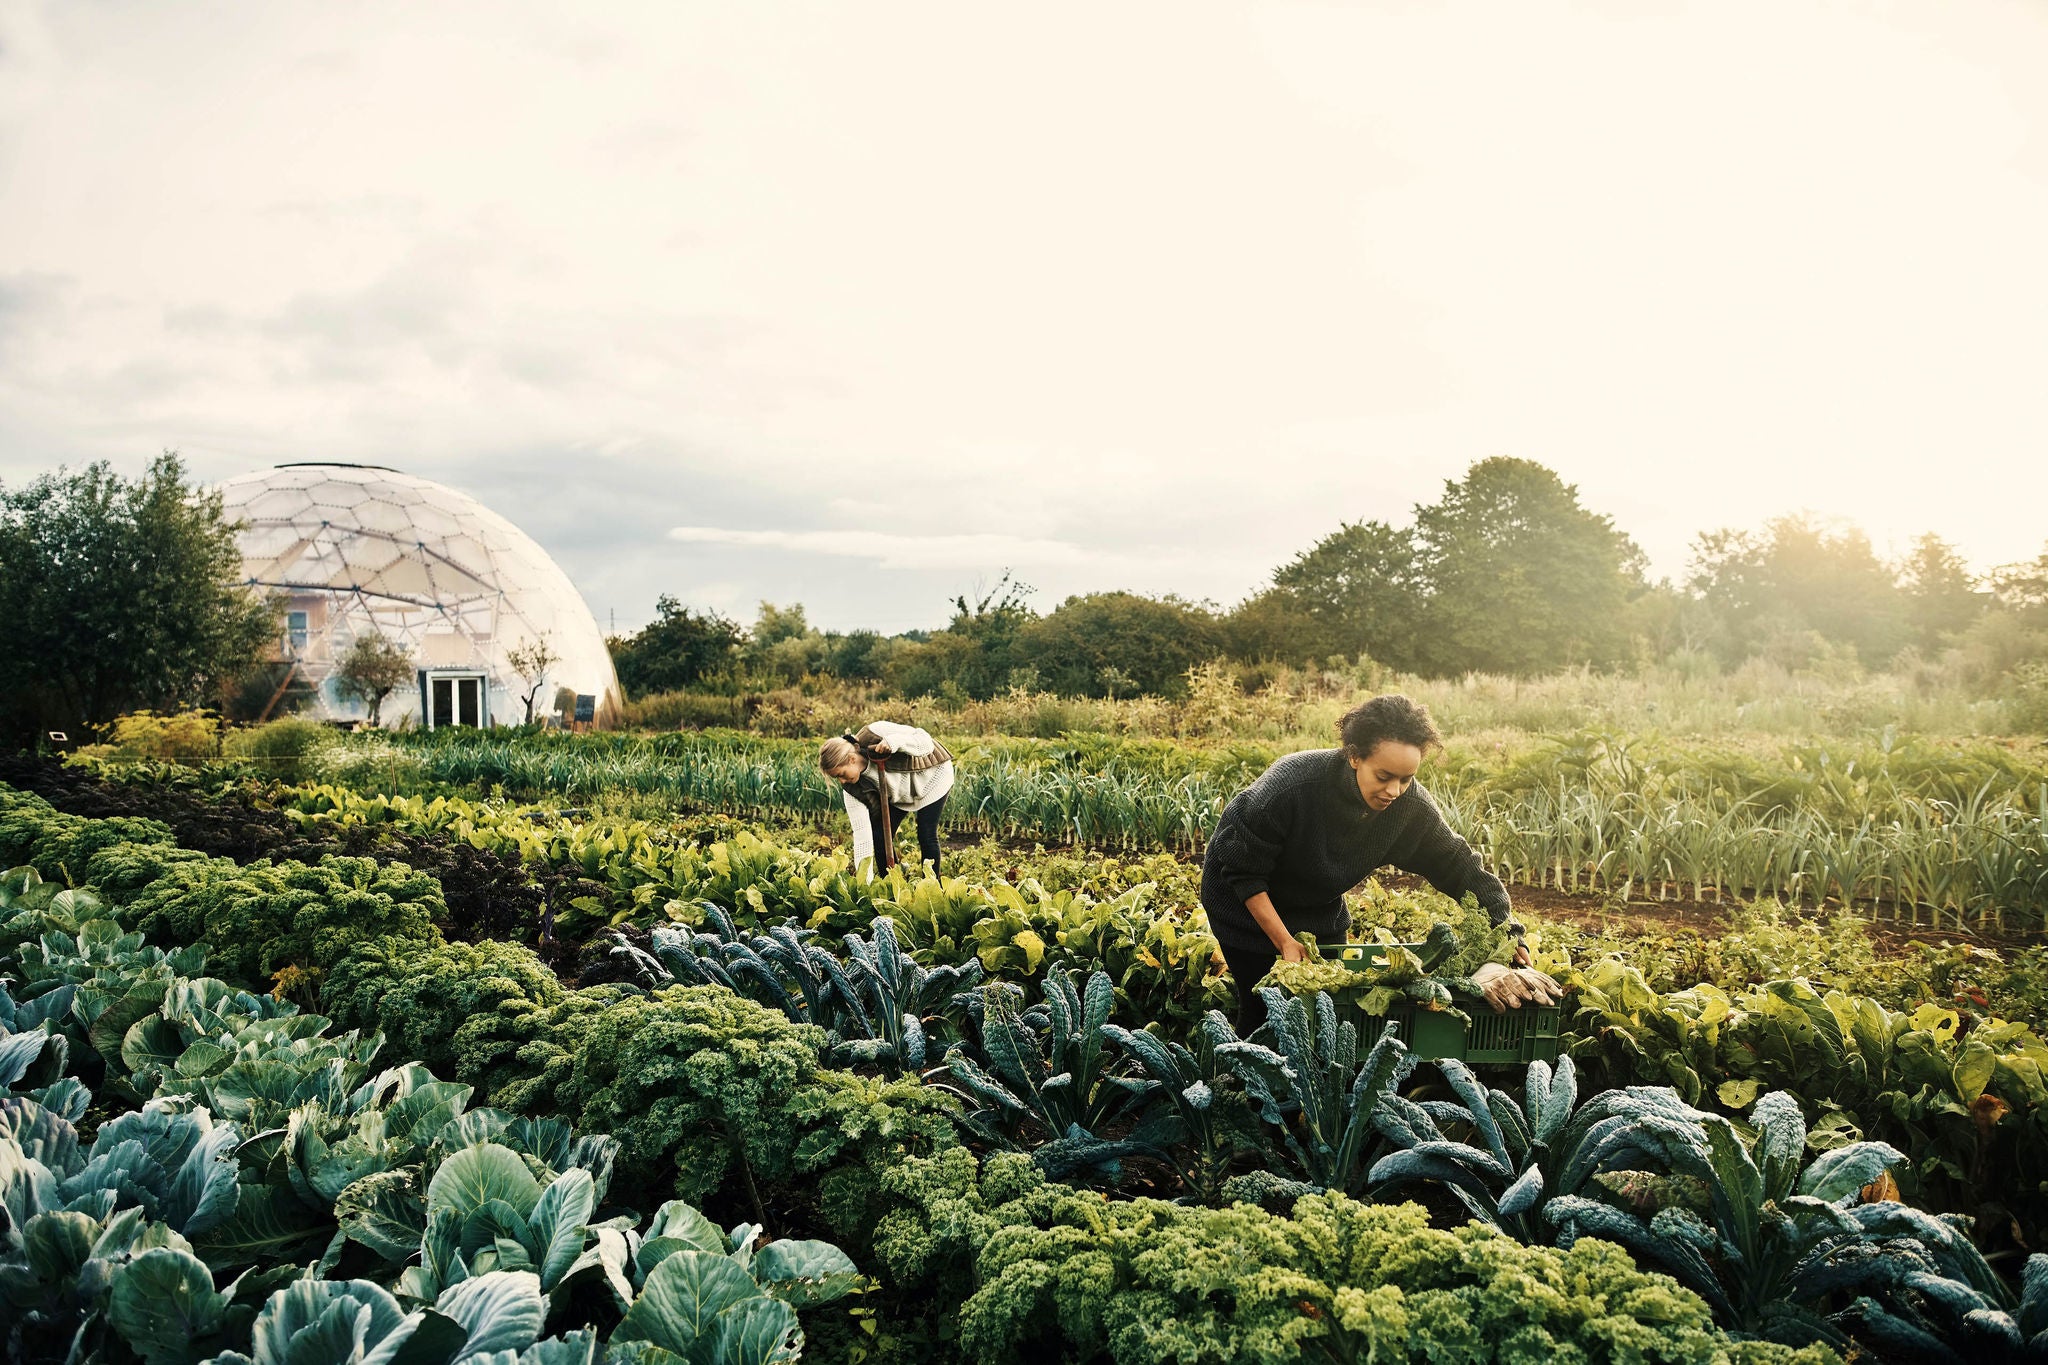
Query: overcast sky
[{"x": 858, "y": 304}]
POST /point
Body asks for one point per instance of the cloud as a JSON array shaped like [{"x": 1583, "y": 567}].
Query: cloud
[
  {"x": 1258, "y": 271},
  {"x": 898, "y": 550}
]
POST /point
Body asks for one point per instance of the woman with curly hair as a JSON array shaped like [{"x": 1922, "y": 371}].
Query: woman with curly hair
[{"x": 1318, "y": 823}]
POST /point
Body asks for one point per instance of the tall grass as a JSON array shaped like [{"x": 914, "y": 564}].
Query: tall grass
[{"x": 1298, "y": 708}]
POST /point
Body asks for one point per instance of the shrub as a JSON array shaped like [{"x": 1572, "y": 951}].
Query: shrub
[
  {"x": 143, "y": 735},
  {"x": 2026, "y": 705},
  {"x": 287, "y": 750},
  {"x": 685, "y": 711}
]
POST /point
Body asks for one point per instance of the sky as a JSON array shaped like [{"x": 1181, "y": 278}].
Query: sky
[{"x": 859, "y": 305}]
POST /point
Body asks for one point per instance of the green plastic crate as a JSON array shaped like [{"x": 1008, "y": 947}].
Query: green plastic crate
[{"x": 1512, "y": 1037}]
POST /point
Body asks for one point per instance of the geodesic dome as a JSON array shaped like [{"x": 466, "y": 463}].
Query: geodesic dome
[{"x": 358, "y": 549}]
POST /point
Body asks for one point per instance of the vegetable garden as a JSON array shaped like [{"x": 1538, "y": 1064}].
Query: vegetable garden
[
  {"x": 300, "y": 1072},
  {"x": 1924, "y": 832}
]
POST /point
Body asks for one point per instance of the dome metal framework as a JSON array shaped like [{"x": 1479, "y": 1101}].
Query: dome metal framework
[{"x": 361, "y": 549}]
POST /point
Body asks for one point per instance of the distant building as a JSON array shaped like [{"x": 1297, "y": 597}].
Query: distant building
[{"x": 358, "y": 549}]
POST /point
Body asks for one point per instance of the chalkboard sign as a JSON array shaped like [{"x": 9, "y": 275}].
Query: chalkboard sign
[{"x": 586, "y": 708}]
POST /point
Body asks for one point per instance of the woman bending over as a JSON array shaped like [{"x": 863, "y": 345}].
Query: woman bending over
[
  {"x": 883, "y": 771},
  {"x": 1316, "y": 824}
]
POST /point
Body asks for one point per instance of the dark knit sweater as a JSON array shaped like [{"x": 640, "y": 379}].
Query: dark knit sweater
[{"x": 1303, "y": 835}]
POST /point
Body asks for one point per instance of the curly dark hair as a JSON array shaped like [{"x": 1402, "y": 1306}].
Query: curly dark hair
[{"x": 1393, "y": 716}]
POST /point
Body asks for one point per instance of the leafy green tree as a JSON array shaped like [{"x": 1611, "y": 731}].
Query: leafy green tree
[
  {"x": 1119, "y": 643},
  {"x": 782, "y": 647},
  {"x": 858, "y": 655},
  {"x": 976, "y": 654},
  {"x": 1270, "y": 626},
  {"x": 121, "y": 595},
  {"x": 1519, "y": 577},
  {"x": 679, "y": 649},
  {"x": 775, "y": 624},
  {"x": 1941, "y": 595},
  {"x": 1797, "y": 576},
  {"x": 1358, "y": 590},
  {"x": 2023, "y": 587},
  {"x": 372, "y": 669},
  {"x": 2007, "y": 642}
]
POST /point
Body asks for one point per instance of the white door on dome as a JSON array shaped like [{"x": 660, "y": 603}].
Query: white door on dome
[{"x": 453, "y": 699}]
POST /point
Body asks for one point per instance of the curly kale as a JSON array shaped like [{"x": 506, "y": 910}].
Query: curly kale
[
  {"x": 61, "y": 847},
  {"x": 1050, "y": 1273},
  {"x": 423, "y": 998},
  {"x": 265, "y": 917}
]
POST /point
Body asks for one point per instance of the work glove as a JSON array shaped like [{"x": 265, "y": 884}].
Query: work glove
[{"x": 1509, "y": 988}]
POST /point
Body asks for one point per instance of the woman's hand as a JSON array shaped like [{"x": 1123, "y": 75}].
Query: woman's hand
[
  {"x": 1509, "y": 988},
  {"x": 1521, "y": 957},
  {"x": 880, "y": 746},
  {"x": 1292, "y": 951}
]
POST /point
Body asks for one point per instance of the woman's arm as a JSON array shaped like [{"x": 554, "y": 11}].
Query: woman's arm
[
  {"x": 863, "y": 833},
  {"x": 1248, "y": 843},
  {"x": 902, "y": 739},
  {"x": 1440, "y": 856},
  {"x": 1436, "y": 853},
  {"x": 1270, "y": 924}
]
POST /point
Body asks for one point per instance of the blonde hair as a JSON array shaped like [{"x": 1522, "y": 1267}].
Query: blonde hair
[{"x": 836, "y": 754}]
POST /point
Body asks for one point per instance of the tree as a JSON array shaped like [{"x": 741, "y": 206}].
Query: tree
[
  {"x": 1518, "y": 577},
  {"x": 774, "y": 624},
  {"x": 858, "y": 655},
  {"x": 531, "y": 661},
  {"x": 1798, "y": 576},
  {"x": 121, "y": 596},
  {"x": 2022, "y": 587},
  {"x": 371, "y": 670},
  {"x": 1118, "y": 643},
  {"x": 782, "y": 647},
  {"x": 1358, "y": 592},
  {"x": 1271, "y": 626},
  {"x": 679, "y": 649},
  {"x": 976, "y": 654},
  {"x": 1941, "y": 597}
]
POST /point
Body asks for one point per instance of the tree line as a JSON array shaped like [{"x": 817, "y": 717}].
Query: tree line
[
  {"x": 1507, "y": 572},
  {"x": 129, "y": 594}
]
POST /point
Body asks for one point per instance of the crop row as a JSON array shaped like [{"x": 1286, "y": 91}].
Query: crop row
[
  {"x": 1966, "y": 1148},
  {"x": 364, "y": 1201},
  {"x": 1900, "y": 831}
]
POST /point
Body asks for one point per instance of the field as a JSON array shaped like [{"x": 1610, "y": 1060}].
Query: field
[{"x": 595, "y": 1047}]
